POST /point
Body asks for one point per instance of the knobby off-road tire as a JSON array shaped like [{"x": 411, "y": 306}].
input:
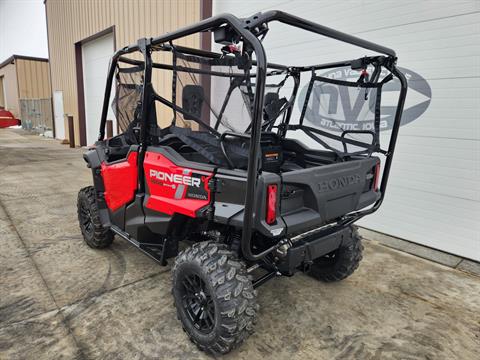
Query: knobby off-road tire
[
  {"x": 94, "y": 234},
  {"x": 340, "y": 263},
  {"x": 211, "y": 284}
]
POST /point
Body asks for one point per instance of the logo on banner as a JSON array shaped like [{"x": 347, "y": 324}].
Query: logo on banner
[{"x": 337, "y": 107}]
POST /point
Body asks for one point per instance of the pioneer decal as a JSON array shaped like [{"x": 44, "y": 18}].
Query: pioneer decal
[
  {"x": 174, "y": 189},
  {"x": 339, "y": 182},
  {"x": 169, "y": 179}
]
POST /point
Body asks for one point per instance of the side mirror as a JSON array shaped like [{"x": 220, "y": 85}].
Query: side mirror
[{"x": 192, "y": 101}]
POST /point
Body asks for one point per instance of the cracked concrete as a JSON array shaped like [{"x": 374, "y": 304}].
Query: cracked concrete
[{"x": 61, "y": 299}]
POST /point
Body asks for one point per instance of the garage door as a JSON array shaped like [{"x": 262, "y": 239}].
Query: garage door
[
  {"x": 434, "y": 192},
  {"x": 96, "y": 56}
]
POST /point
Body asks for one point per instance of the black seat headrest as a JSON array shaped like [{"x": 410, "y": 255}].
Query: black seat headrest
[
  {"x": 192, "y": 101},
  {"x": 273, "y": 106}
]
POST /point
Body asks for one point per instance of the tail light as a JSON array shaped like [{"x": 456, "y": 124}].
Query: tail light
[
  {"x": 376, "y": 176},
  {"x": 271, "y": 215}
]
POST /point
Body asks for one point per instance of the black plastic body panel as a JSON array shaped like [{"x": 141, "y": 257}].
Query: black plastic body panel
[
  {"x": 309, "y": 198},
  {"x": 316, "y": 196},
  {"x": 134, "y": 217},
  {"x": 304, "y": 251},
  {"x": 157, "y": 222},
  {"x": 93, "y": 159},
  {"x": 230, "y": 200},
  {"x": 117, "y": 217}
]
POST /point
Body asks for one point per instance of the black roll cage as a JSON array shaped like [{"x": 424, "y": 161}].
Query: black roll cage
[{"x": 250, "y": 30}]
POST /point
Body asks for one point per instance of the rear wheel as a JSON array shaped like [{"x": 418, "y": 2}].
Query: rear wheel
[
  {"x": 94, "y": 234},
  {"x": 341, "y": 263},
  {"x": 214, "y": 297}
]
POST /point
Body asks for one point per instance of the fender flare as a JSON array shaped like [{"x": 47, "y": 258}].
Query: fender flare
[{"x": 92, "y": 159}]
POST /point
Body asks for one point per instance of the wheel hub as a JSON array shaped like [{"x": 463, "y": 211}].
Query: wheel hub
[
  {"x": 198, "y": 303},
  {"x": 201, "y": 298},
  {"x": 86, "y": 219}
]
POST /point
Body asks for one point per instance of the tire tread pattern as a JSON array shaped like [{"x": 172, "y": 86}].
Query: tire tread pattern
[
  {"x": 348, "y": 259},
  {"x": 233, "y": 290},
  {"x": 102, "y": 237}
]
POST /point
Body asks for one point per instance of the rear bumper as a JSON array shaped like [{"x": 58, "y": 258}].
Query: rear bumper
[{"x": 309, "y": 248}]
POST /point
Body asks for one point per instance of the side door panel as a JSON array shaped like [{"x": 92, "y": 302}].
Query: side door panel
[{"x": 120, "y": 179}]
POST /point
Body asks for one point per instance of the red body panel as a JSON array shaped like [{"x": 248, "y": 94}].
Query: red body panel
[
  {"x": 7, "y": 119},
  {"x": 120, "y": 181},
  {"x": 175, "y": 189}
]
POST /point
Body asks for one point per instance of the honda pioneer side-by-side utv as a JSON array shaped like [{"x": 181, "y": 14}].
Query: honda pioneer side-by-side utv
[{"x": 216, "y": 167}]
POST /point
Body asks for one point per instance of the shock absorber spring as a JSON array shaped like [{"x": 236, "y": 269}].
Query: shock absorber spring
[{"x": 235, "y": 241}]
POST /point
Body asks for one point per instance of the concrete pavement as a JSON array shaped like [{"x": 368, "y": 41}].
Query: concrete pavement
[{"x": 61, "y": 299}]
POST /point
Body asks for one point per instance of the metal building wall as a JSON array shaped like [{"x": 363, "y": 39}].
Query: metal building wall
[
  {"x": 34, "y": 94},
  {"x": 33, "y": 79},
  {"x": 70, "y": 22},
  {"x": 9, "y": 75},
  {"x": 25, "y": 78}
]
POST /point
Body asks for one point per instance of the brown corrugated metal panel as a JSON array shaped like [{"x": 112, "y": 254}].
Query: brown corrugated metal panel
[
  {"x": 70, "y": 22},
  {"x": 9, "y": 75},
  {"x": 33, "y": 79}
]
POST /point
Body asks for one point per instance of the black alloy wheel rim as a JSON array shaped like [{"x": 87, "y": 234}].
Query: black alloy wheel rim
[
  {"x": 86, "y": 219},
  {"x": 198, "y": 303}
]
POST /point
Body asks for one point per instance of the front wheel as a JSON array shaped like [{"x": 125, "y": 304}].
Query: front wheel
[
  {"x": 214, "y": 297},
  {"x": 341, "y": 263},
  {"x": 94, "y": 234}
]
